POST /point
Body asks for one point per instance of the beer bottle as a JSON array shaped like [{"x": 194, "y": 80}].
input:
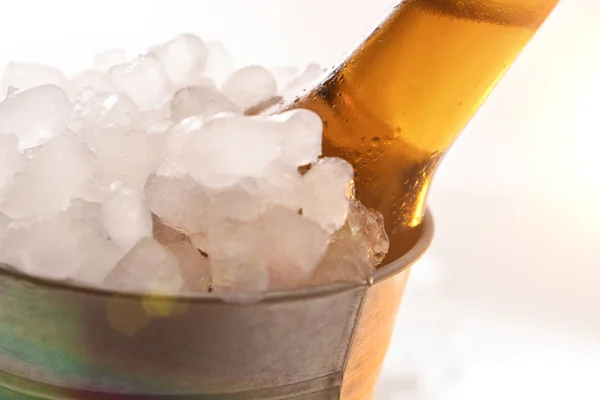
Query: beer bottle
[{"x": 396, "y": 103}]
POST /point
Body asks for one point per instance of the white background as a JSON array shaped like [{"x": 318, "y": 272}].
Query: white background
[{"x": 506, "y": 304}]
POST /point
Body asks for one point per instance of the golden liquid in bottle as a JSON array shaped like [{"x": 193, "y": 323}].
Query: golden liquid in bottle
[{"x": 396, "y": 104}]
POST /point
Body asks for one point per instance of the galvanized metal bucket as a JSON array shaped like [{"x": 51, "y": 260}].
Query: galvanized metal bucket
[{"x": 62, "y": 341}]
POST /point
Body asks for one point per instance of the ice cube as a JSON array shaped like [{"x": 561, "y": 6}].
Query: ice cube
[
  {"x": 237, "y": 259},
  {"x": 200, "y": 241},
  {"x": 305, "y": 81},
  {"x": 235, "y": 203},
  {"x": 279, "y": 185},
  {"x": 97, "y": 80},
  {"x": 11, "y": 90},
  {"x": 324, "y": 199},
  {"x": 103, "y": 256},
  {"x": 125, "y": 155},
  {"x": 156, "y": 121},
  {"x": 295, "y": 245},
  {"x": 105, "y": 60},
  {"x": 219, "y": 64},
  {"x": 302, "y": 140},
  {"x": 50, "y": 248},
  {"x": 67, "y": 161},
  {"x": 4, "y": 223},
  {"x": 280, "y": 246},
  {"x": 164, "y": 234},
  {"x": 90, "y": 213},
  {"x": 284, "y": 75},
  {"x": 238, "y": 275},
  {"x": 11, "y": 161},
  {"x": 180, "y": 202},
  {"x": 126, "y": 217},
  {"x": 56, "y": 174},
  {"x": 371, "y": 226},
  {"x": 228, "y": 148},
  {"x": 32, "y": 196},
  {"x": 176, "y": 139},
  {"x": 356, "y": 249},
  {"x": 94, "y": 109},
  {"x": 203, "y": 101},
  {"x": 194, "y": 267},
  {"x": 8, "y": 256},
  {"x": 250, "y": 86},
  {"x": 35, "y": 115},
  {"x": 148, "y": 267},
  {"x": 183, "y": 59},
  {"x": 144, "y": 80},
  {"x": 25, "y": 76},
  {"x": 57, "y": 247}
]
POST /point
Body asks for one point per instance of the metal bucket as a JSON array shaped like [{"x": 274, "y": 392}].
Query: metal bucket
[{"x": 62, "y": 341}]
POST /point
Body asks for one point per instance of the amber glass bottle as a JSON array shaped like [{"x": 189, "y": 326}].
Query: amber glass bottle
[{"x": 394, "y": 106}]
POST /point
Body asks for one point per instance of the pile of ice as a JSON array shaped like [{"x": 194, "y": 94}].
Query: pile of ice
[{"x": 149, "y": 175}]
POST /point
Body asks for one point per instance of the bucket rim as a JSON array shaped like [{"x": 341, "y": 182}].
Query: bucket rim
[{"x": 381, "y": 274}]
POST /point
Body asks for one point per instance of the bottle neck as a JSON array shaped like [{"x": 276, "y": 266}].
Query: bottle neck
[
  {"x": 396, "y": 104},
  {"x": 427, "y": 68}
]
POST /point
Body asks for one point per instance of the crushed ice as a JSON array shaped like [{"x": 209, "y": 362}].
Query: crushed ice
[{"x": 147, "y": 175}]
